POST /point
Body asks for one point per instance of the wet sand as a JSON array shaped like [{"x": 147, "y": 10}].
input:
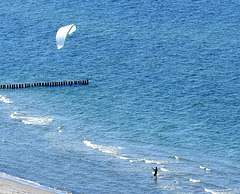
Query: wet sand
[{"x": 11, "y": 187}]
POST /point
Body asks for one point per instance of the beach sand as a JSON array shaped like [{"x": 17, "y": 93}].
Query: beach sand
[{"x": 11, "y": 187}]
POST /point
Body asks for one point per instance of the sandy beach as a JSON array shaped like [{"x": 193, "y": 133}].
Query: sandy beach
[{"x": 11, "y": 187}]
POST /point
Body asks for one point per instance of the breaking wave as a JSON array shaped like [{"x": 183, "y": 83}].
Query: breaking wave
[
  {"x": 116, "y": 151},
  {"x": 223, "y": 191},
  {"x": 102, "y": 148},
  {"x": 30, "y": 119},
  {"x": 148, "y": 161},
  {"x": 205, "y": 168},
  {"x": 195, "y": 180},
  {"x": 5, "y": 99}
]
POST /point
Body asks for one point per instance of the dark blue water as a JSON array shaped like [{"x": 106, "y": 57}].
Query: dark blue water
[{"x": 164, "y": 91}]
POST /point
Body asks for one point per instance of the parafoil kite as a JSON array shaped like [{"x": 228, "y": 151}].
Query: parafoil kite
[{"x": 62, "y": 34}]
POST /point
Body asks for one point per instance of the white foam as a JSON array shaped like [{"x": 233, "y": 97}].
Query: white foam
[
  {"x": 123, "y": 158},
  {"x": 5, "y": 100},
  {"x": 148, "y": 161},
  {"x": 154, "y": 162},
  {"x": 102, "y": 148},
  {"x": 115, "y": 152},
  {"x": 223, "y": 191},
  {"x": 37, "y": 121},
  {"x": 31, "y": 120},
  {"x": 209, "y": 191},
  {"x": 136, "y": 160},
  {"x": 176, "y": 157},
  {"x": 164, "y": 169},
  {"x": 205, "y": 168},
  {"x": 208, "y": 169},
  {"x": 195, "y": 180}
]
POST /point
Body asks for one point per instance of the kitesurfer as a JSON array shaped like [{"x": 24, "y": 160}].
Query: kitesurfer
[{"x": 155, "y": 172}]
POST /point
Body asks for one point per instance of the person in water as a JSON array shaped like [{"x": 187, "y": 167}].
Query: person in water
[{"x": 155, "y": 171}]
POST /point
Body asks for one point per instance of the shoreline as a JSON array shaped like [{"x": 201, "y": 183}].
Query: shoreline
[{"x": 10, "y": 185}]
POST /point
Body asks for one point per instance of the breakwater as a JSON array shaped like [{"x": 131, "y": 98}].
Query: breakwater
[{"x": 42, "y": 84}]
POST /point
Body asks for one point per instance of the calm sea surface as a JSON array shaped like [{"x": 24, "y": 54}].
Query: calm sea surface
[{"x": 164, "y": 90}]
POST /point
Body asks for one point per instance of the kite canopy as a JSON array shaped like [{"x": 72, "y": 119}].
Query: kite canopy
[{"x": 62, "y": 34}]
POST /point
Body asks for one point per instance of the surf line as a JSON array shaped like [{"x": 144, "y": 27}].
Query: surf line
[{"x": 42, "y": 84}]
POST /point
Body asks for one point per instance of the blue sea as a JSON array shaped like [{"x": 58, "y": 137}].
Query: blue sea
[{"x": 164, "y": 91}]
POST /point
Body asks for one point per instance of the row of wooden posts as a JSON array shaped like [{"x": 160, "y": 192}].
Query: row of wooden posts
[{"x": 50, "y": 84}]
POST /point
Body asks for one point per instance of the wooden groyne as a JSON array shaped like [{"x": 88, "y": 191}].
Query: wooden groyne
[{"x": 42, "y": 84}]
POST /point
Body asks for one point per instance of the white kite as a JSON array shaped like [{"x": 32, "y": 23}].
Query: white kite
[{"x": 62, "y": 34}]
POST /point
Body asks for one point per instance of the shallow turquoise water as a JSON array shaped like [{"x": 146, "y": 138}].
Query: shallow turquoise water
[{"x": 164, "y": 91}]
